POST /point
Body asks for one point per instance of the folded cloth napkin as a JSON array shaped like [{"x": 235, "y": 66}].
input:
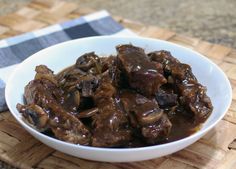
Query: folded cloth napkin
[{"x": 15, "y": 49}]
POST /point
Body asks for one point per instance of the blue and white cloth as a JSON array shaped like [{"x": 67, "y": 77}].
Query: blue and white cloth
[{"x": 14, "y": 50}]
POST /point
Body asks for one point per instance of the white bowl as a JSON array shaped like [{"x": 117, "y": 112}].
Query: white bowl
[{"x": 62, "y": 55}]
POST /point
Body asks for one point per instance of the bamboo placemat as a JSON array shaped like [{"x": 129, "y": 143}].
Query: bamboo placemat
[{"x": 217, "y": 149}]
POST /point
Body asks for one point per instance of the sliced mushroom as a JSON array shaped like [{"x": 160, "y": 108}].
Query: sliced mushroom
[
  {"x": 34, "y": 114},
  {"x": 88, "y": 113},
  {"x": 77, "y": 98}
]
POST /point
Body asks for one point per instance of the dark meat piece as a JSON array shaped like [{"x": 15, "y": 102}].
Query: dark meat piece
[
  {"x": 166, "y": 98},
  {"x": 89, "y": 62},
  {"x": 157, "y": 132},
  {"x": 146, "y": 111},
  {"x": 107, "y": 62},
  {"x": 146, "y": 116},
  {"x": 163, "y": 57},
  {"x": 111, "y": 127},
  {"x": 65, "y": 126},
  {"x": 142, "y": 75},
  {"x": 195, "y": 99},
  {"x": 41, "y": 92},
  {"x": 192, "y": 94}
]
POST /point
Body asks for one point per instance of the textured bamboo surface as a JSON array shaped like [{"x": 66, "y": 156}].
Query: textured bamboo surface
[{"x": 217, "y": 149}]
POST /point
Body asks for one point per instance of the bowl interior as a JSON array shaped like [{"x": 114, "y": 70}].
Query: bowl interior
[{"x": 63, "y": 55}]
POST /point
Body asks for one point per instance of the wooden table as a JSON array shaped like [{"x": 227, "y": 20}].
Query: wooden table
[{"x": 217, "y": 149}]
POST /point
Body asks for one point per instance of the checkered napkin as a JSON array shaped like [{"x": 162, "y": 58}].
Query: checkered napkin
[{"x": 15, "y": 49}]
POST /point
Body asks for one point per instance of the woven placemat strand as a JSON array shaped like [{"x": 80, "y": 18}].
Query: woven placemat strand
[{"x": 217, "y": 149}]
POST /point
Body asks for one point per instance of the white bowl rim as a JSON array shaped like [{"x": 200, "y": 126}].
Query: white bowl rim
[{"x": 100, "y": 149}]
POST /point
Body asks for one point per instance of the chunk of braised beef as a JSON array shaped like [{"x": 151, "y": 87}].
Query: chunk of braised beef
[
  {"x": 142, "y": 74},
  {"x": 144, "y": 110},
  {"x": 157, "y": 132},
  {"x": 107, "y": 62},
  {"x": 166, "y": 99},
  {"x": 164, "y": 57},
  {"x": 111, "y": 125},
  {"x": 146, "y": 117},
  {"x": 194, "y": 98},
  {"x": 192, "y": 94}
]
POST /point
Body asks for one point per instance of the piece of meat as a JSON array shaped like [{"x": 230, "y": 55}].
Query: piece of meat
[
  {"x": 107, "y": 62},
  {"x": 164, "y": 57},
  {"x": 146, "y": 111},
  {"x": 65, "y": 126},
  {"x": 157, "y": 132},
  {"x": 146, "y": 116},
  {"x": 195, "y": 99},
  {"x": 111, "y": 125},
  {"x": 111, "y": 128},
  {"x": 166, "y": 99},
  {"x": 192, "y": 94},
  {"x": 142, "y": 74}
]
